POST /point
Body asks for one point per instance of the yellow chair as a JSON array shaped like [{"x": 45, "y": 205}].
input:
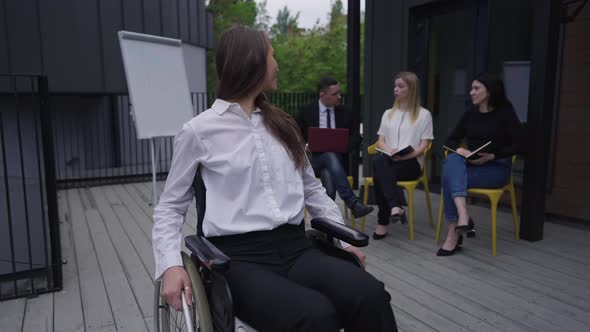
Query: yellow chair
[
  {"x": 494, "y": 196},
  {"x": 350, "y": 181},
  {"x": 410, "y": 186}
]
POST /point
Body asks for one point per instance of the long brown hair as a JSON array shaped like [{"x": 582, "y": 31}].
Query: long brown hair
[
  {"x": 413, "y": 84},
  {"x": 241, "y": 69}
]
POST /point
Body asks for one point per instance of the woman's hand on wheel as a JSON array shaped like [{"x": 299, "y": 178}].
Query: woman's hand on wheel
[
  {"x": 174, "y": 280},
  {"x": 358, "y": 253}
]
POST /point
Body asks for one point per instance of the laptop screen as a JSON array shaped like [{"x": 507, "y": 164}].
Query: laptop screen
[{"x": 327, "y": 140}]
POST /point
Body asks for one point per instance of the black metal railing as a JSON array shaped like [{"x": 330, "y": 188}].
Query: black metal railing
[
  {"x": 30, "y": 255},
  {"x": 95, "y": 140}
]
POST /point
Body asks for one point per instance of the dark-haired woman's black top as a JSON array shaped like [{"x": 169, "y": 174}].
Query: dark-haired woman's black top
[{"x": 501, "y": 126}]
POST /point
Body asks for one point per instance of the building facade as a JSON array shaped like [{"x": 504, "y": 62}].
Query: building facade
[{"x": 536, "y": 46}]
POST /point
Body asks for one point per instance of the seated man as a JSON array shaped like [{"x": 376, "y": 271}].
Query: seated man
[{"x": 328, "y": 113}]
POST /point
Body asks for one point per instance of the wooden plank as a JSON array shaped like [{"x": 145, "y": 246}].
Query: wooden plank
[
  {"x": 556, "y": 288},
  {"x": 512, "y": 261},
  {"x": 137, "y": 227},
  {"x": 140, "y": 213},
  {"x": 420, "y": 304},
  {"x": 67, "y": 302},
  {"x": 458, "y": 273},
  {"x": 95, "y": 302},
  {"x": 485, "y": 319},
  {"x": 13, "y": 312},
  {"x": 124, "y": 307},
  {"x": 409, "y": 323},
  {"x": 138, "y": 276},
  {"x": 39, "y": 313}
]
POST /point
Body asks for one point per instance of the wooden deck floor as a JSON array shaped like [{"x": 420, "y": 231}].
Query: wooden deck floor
[{"x": 108, "y": 282}]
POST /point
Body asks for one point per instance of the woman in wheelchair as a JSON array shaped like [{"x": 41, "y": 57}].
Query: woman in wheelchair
[
  {"x": 404, "y": 125},
  {"x": 258, "y": 180},
  {"x": 491, "y": 120}
]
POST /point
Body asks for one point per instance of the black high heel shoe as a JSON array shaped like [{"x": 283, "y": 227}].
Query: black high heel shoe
[
  {"x": 442, "y": 252},
  {"x": 471, "y": 229},
  {"x": 468, "y": 230}
]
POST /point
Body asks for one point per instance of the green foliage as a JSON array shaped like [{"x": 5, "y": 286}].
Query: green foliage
[
  {"x": 307, "y": 56},
  {"x": 304, "y": 56},
  {"x": 227, "y": 13}
]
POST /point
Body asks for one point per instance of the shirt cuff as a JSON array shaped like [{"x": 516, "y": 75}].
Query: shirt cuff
[{"x": 167, "y": 262}]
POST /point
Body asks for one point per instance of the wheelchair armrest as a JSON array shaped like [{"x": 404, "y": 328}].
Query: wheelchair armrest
[
  {"x": 207, "y": 253},
  {"x": 341, "y": 232}
]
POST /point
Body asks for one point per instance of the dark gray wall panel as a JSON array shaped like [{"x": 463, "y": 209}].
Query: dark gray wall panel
[
  {"x": 23, "y": 40},
  {"x": 59, "y": 50},
  {"x": 193, "y": 25},
  {"x": 133, "y": 15},
  {"x": 88, "y": 65},
  {"x": 4, "y": 62},
  {"x": 183, "y": 19},
  {"x": 511, "y": 23},
  {"x": 202, "y": 21},
  {"x": 110, "y": 13},
  {"x": 75, "y": 44},
  {"x": 151, "y": 14},
  {"x": 169, "y": 18},
  {"x": 383, "y": 59}
]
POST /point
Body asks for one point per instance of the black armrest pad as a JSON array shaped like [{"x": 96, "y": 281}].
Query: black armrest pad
[
  {"x": 341, "y": 232},
  {"x": 207, "y": 253}
]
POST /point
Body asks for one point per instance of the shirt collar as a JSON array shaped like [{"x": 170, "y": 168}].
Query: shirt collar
[
  {"x": 220, "y": 106},
  {"x": 323, "y": 107}
]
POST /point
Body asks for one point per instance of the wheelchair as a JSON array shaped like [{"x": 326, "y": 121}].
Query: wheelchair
[{"x": 212, "y": 309}]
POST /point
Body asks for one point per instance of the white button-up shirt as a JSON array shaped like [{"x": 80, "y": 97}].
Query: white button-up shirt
[{"x": 252, "y": 183}]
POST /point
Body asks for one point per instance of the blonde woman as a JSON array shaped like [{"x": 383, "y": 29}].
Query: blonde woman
[{"x": 406, "y": 124}]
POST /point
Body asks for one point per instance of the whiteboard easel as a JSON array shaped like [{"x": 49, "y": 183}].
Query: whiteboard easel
[{"x": 158, "y": 88}]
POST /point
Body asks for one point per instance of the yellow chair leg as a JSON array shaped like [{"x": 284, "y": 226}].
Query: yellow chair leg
[
  {"x": 363, "y": 219},
  {"x": 411, "y": 208},
  {"x": 514, "y": 213},
  {"x": 365, "y": 202},
  {"x": 440, "y": 218},
  {"x": 428, "y": 204},
  {"x": 494, "y": 204}
]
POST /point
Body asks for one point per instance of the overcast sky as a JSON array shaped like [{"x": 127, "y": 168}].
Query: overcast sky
[{"x": 309, "y": 10}]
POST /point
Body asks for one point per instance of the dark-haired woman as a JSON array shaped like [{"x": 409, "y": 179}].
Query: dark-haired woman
[
  {"x": 258, "y": 180},
  {"x": 492, "y": 119}
]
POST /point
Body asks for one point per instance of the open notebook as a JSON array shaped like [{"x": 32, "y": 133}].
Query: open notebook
[{"x": 474, "y": 154}]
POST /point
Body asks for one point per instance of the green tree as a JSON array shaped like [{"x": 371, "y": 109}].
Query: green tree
[
  {"x": 262, "y": 16},
  {"x": 286, "y": 25},
  {"x": 305, "y": 57}
]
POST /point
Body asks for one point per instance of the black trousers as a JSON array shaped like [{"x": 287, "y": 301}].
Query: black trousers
[
  {"x": 280, "y": 283},
  {"x": 386, "y": 173}
]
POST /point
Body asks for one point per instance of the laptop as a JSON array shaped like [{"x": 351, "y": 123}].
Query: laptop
[{"x": 327, "y": 140}]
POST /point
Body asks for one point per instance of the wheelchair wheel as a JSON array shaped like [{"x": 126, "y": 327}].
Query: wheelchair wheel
[{"x": 166, "y": 319}]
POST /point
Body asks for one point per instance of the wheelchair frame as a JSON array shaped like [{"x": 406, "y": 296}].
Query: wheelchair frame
[{"x": 213, "y": 305}]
